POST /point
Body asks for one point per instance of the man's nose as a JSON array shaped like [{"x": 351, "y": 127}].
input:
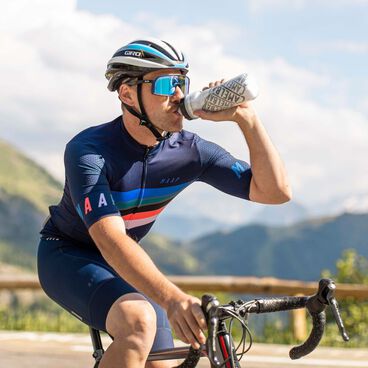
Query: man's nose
[{"x": 178, "y": 94}]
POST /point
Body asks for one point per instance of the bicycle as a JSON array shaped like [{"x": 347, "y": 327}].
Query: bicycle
[{"x": 220, "y": 348}]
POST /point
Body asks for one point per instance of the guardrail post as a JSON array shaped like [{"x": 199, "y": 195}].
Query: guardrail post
[{"x": 299, "y": 323}]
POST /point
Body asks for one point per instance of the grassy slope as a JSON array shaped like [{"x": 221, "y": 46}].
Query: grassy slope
[
  {"x": 22, "y": 177},
  {"x": 26, "y": 191}
]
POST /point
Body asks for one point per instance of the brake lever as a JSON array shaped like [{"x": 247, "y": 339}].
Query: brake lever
[
  {"x": 209, "y": 306},
  {"x": 332, "y": 302}
]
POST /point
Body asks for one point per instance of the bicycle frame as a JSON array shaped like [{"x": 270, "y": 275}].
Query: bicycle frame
[{"x": 223, "y": 344}]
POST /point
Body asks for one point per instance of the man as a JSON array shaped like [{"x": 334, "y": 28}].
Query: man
[{"x": 119, "y": 177}]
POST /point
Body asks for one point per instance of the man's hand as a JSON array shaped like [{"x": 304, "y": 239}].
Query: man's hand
[{"x": 187, "y": 319}]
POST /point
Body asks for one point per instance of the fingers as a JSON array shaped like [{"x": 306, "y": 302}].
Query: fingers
[
  {"x": 214, "y": 84},
  {"x": 179, "y": 332},
  {"x": 187, "y": 333},
  {"x": 196, "y": 331},
  {"x": 225, "y": 115},
  {"x": 188, "y": 321},
  {"x": 199, "y": 316}
]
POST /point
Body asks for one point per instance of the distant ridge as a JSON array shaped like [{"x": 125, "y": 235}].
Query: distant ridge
[{"x": 299, "y": 251}]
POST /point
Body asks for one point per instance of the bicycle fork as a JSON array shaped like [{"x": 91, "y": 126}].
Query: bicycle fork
[{"x": 224, "y": 343}]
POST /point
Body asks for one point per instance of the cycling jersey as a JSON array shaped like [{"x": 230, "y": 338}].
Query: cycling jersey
[{"x": 108, "y": 173}]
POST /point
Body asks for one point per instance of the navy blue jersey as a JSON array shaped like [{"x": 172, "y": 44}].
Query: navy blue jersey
[{"x": 108, "y": 173}]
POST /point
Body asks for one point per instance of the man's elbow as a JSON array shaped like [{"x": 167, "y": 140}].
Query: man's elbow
[
  {"x": 283, "y": 195},
  {"x": 274, "y": 195}
]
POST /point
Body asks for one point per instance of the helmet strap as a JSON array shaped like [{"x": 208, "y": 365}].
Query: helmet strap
[{"x": 143, "y": 118}]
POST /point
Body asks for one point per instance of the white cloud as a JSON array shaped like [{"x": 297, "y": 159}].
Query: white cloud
[{"x": 53, "y": 61}]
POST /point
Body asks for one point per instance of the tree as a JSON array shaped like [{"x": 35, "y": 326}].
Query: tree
[{"x": 350, "y": 269}]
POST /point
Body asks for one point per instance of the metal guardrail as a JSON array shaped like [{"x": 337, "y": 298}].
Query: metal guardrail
[{"x": 233, "y": 284}]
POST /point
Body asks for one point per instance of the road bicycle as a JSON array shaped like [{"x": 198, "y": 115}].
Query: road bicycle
[{"x": 220, "y": 348}]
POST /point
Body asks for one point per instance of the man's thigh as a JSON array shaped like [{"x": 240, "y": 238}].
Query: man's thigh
[{"x": 81, "y": 281}]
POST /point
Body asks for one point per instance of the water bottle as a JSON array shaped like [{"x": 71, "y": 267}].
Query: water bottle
[{"x": 222, "y": 97}]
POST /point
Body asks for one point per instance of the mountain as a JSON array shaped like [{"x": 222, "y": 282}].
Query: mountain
[
  {"x": 349, "y": 203},
  {"x": 298, "y": 251},
  {"x": 170, "y": 256},
  {"x": 181, "y": 228},
  {"x": 26, "y": 191},
  {"x": 276, "y": 215},
  {"x": 22, "y": 178}
]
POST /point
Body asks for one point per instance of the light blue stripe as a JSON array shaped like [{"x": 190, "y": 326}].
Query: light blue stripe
[
  {"x": 151, "y": 50},
  {"x": 78, "y": 208},
  {"x": 148, "y": 192}
]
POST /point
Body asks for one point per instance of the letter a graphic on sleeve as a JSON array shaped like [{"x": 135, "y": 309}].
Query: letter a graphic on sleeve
[
  {"x": 102, "y": 201},
  {"x": 87, "y": 206}
]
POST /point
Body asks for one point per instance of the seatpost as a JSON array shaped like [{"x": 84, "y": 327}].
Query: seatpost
[{"x": 98, "y": 350}]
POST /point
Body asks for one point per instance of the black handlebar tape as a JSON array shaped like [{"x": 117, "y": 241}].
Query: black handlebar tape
[
  {"x": 319, "y": 321},
  {"x": 192, "y": 358},
  {"x": 277, "y": 304}
]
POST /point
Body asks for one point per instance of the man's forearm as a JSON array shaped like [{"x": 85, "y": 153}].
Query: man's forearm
[
  {"x": 269, "y": 182},
  {"x": 133, "y": 264}
]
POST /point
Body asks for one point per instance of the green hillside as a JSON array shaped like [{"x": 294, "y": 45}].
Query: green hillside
[
  {"x": 26, "y": 191},
  {"x": 23, "y": 178},
  {"x": 170, "y": 256}
]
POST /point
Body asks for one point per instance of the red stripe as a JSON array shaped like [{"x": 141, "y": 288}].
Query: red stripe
[
  {"x": 142, "y": 215},
  {"x": 224, "y": 350}
]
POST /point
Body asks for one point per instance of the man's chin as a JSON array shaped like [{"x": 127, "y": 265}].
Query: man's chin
[{"x": 177, "y": 125}]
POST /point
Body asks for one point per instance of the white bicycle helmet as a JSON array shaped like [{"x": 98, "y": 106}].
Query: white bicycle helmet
[{"x": 141, "y": 57}]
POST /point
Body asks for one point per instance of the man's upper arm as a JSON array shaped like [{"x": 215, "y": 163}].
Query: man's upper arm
[
  {"x": 223, "y": 171},
  {"x": 88, "y": 185}
]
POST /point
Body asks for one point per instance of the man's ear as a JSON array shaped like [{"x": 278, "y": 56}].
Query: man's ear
[{"x": 127, "y": 94}]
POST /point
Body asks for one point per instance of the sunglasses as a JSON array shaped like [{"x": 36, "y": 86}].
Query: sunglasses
[{"x": 165, "y": 85}]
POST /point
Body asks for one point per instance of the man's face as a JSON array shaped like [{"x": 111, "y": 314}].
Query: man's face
[{"x": 162, "y": 110}]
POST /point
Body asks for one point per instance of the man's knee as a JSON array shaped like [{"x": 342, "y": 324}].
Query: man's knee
[
  {"x": 162, "y": 364},
  {"x": 132, "y": 317}
]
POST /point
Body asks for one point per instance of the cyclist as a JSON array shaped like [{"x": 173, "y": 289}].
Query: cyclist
[{"x": 119, "y": 176}]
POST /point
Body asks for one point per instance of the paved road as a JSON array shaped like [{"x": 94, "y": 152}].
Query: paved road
[{"x": 33, "y": 350}]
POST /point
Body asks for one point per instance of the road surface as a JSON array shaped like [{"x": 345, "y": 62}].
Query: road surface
[{"x": 41, "y": 350}]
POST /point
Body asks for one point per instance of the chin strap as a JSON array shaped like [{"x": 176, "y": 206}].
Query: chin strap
[{"x": 143, "y": 118}]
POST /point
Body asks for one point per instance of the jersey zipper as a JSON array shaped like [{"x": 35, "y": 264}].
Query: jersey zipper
[{"x": 143, "y": 179}]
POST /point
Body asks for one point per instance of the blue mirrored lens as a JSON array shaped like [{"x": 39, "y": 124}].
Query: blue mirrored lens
[{"x": 165, "y": 85}]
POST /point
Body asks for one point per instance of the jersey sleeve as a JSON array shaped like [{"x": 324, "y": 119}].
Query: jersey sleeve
[
  {"x": 224, "y": 172},
  {"x": 86, "y": 178}
]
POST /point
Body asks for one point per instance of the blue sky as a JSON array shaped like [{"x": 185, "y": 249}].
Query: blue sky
[
  {"x": 303, "y": 32},
  {"x": 309, "y": 57}
]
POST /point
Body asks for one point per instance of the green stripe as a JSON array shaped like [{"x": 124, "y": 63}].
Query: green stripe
[{"x": 145, "y": 202}]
